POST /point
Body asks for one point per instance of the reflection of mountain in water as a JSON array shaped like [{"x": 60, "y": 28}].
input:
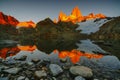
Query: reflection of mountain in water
[
  {"x": 8, "y": 51},
  {"x": 49, "y": 45}
]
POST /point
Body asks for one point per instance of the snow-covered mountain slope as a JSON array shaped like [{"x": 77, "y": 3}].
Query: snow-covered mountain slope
[{"x": 91, "y": 26}]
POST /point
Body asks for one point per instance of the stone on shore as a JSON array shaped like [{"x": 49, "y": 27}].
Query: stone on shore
[
  {"x": 79, "y": 78},
  {"x": 40, "y": 74},
  {"x": 55, "y": 69},
  {"x": 81, "y": 71},
  {"x": 14, "y": 70}
]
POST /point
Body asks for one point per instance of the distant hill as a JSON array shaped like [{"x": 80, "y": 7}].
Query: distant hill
[{"x": 48, "y": 29}]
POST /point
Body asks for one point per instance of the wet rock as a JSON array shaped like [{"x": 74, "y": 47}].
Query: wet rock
[
  {"x": 95, "y": 79},
  {"x": 26, "y": 78},
  {"x": 1, "y": 60},
  {"x": 30, "y": 63},
  {"x": 21, "y": 78},
  {"x": 53, "y": 78},
  {"x": 29, "y": 74},
  {"x": 35, "y": 60},
  {"x": 12, "y": 70},
  {"x": 65, "y": 78},
  {"x": 4, "y": 78},
  {"x": 55, "y": 69},
  {"x": 46, "y": 61},
  {"x": 63, "y": 60},
  {"x": 67, "y": 66},
  {"x": 22, "y": 58},
  {"x": 10, "y": 61},
  {"x": 79, "y": 78},
  {"x": 3, "y": 67},
  {"x": 44, "y": 68},
  {"x": 40, "y": 74},
  {"x": 81, "y": 71}
]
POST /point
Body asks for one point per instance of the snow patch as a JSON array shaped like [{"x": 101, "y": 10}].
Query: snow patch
[{"x": 90, "y": 26}]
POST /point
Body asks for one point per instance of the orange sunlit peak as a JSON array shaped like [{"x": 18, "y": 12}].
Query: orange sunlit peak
[
  {"x": 27, "y": 24},
  {"x": 76, "y": 12},
  {"x": 76, "y": 16},
  {"x": 62, "y": 16}
]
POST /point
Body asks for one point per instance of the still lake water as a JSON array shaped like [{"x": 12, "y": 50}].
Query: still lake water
[{"x": 42, "y": 52}]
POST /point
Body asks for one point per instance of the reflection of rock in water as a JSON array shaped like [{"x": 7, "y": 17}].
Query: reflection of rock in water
[
  {"x": 61, "y": 36},
  {"x": 49, "y": 45},
  {"x": 7, "y": 43},
  {"x": 8, "y": 51},
  {"x": 112, "y": 46}
]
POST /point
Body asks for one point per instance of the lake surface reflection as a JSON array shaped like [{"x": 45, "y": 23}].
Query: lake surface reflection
[{"x": 74, "y": 52}]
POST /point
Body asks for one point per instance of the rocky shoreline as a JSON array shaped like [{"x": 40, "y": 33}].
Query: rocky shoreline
[{"x": 36, "y": 69}]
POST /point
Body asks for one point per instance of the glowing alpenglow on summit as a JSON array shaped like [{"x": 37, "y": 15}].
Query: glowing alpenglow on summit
[
  {"x": 76, "y": 16},
  {"x": 7, "y": 19},
  {"x": 27, "y": 24}
]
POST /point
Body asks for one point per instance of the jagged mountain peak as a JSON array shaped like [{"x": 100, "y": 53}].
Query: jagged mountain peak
[
  {"x": 76, "y": 16},
  {"x": 8, "y": 20},
  {"x": 76, "y": 12}
]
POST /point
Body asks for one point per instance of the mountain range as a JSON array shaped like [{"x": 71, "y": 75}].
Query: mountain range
[
  {"x": 75, "y": 17},
  {"x": 94, "y": 25},
  {"x": 9, "y": 20}
]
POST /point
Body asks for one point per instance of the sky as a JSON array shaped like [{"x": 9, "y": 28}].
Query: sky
[{"x": 36, "y": 10}]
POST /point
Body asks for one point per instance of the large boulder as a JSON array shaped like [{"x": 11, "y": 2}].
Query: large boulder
[
  {"x": 40, "y": 74},
  {"x": 81, "y": 71},
  {"x": 79, "y": 78},
  {"x": 55, "y": 69},
  {"x": 14, "y": 70}
]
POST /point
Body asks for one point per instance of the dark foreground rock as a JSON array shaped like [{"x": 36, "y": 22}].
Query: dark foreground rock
[
  {"x": 12, "y": 70},
  {"x": 40, "y": 74},
  {"x": 46, "y": 70},
  {"x": 55, "y": 69},
  {"x": 79, "y": 78}
]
